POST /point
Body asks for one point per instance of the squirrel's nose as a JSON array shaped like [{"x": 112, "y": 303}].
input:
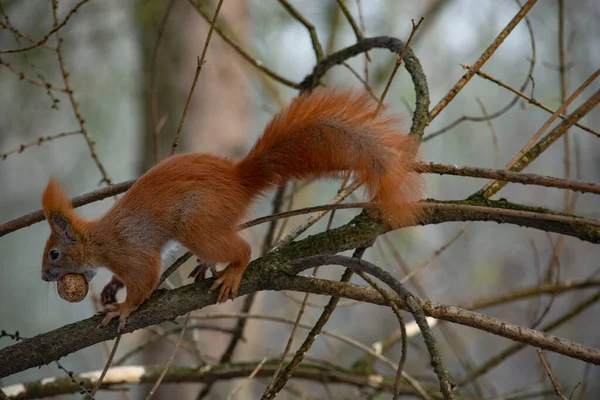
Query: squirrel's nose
[{"x": 45, "y": 275}]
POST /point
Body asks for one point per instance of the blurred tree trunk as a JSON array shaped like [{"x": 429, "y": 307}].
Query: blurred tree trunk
[{"x": 218, "y": 116}]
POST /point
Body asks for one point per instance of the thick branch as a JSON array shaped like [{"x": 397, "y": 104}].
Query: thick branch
[
  {"x": 500, "y": 211},
  {"x": 265, "y": 273}
]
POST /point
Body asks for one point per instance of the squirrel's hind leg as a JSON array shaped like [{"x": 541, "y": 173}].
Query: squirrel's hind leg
[{"x": 224, "y": 248}]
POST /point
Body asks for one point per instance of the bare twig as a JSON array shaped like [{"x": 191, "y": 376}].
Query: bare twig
[
  {"x": 399, "y": 59},
  {"x": 201, "y": 61},
  {"x": 37, "y": 142},
  {"x": 552, "y": 118},
  {"x": 254, "y": 62},
  {"x": 166, "y": 368},
  {"x": 522, "y": 160},
  {"x": 71, "y": 95},
  {"x": 312, "y": 220},
  {"x": 57, "y": 26},
  {"x": 18, "y": 33},
  {"x": 479, "y": 63},
  {"x": 511, "y": 103},
  {"x": 529, "y": 99},
  {"x": 249, "y": 378},
  {"x": 25, "y": 77},
  {"x": 555, "y": 383},
  {"x": 309, "y": 27},
  {"x": 106, "y": 367},
  {"x": 152, "y": 82}
]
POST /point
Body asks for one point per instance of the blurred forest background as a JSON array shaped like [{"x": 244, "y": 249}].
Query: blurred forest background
[{"x": 130, "y": 66}]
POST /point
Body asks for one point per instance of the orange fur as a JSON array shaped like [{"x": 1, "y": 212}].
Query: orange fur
[{"x": 198, "y": 200}]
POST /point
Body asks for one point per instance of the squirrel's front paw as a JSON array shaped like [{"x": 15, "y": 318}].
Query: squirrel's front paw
[{"x": 109, "y": 293}]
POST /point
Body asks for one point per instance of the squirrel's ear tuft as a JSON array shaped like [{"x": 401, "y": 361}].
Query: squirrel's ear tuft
[
  {"x": 55, "y": 199},
  {"x": 57, "y": 209}
]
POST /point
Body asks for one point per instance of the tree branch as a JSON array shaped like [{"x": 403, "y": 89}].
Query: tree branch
[{"x": 267, "y": 273}]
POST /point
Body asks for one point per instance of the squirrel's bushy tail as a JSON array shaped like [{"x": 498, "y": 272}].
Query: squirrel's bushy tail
[{"x": 327, "y": 133}]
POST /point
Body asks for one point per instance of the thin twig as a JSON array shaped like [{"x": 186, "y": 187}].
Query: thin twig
[
  {"x": 563, "y": 94},
  {"x": 552, "y": 118},
  {"x": 106, "y": 367},
  {"x": 249, "y": 378},
  {"x": 319, "y": 54},
  {"x": 399, "y": 59},
  {"x": 479, "y": 63},
  {"x": 18, "y": 33},
  {"x": 357, "y": 32},
  {"x": 312, "y": 220},
  {"x": 201, "y": 61},
  {"x": 24, "y": 77},
  {"x": 362, "y": 80},
  {"x": 555, "y": 383},
  {"x": 520, "y": 162},
  {"x": 254, "y": 62},
  {"x": 57, "y": 26},
  {"x": 436, "y": 253},
  {"x": 166, "y": 368},
  {"x": 71, "y": 95},
  {"x": 18, "y": 338},
  {"x": 37, "y": 142},
  {"x": 511, "y": 103},
  {"x": 530, "y": 99},
  {"x": 290, "y": 340},
  {"x": 152, "y": 89}
]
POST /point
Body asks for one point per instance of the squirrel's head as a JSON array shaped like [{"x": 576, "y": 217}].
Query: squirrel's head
[{"x": 65, "y": 248}]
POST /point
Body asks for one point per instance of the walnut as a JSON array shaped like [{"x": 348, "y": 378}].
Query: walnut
[{"x": 72, "y": 287}]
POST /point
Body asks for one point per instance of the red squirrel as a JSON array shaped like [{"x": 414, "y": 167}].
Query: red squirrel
[{"x": 198, "y": 200}]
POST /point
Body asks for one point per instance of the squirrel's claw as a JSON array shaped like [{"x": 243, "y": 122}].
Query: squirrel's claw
[
  {"x": 112, "y": 311},
  {"x": 229, "y": 281},
  {"x": 122, "y": 321}
]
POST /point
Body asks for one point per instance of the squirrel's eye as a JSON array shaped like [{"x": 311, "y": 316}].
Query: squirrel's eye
[{"x": 54, "y": 254}]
